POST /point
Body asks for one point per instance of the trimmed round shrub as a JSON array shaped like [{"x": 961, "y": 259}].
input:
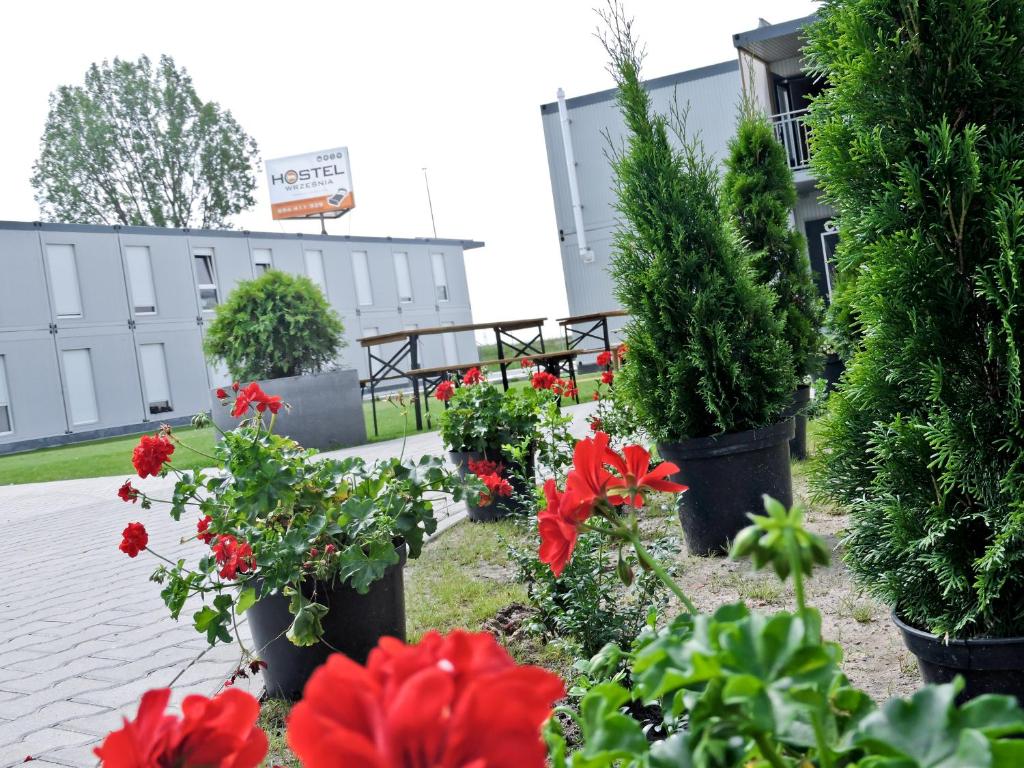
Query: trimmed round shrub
[{"x": 274, "y": 326}]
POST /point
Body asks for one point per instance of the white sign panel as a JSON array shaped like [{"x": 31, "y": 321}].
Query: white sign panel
[{"x": 311, "y": 184}]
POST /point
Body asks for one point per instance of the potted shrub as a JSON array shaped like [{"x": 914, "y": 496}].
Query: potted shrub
[
  {"x": 280, "y": 331},
  {"x": 918, "y": 145},
  {"x": 310, "y": 551},
  {"x": 494, "y": 435},
  {"x": 759, "y": 194},
  {"x": 709, "y": 373}
]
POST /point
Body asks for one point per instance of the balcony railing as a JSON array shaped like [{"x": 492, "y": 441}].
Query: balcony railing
[{"x": 791, "y": 131}]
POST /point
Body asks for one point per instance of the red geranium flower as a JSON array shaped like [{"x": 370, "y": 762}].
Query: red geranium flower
[
  {"x": 607, "y": 377},
  {"x": 444, "y": 391},
  {"x": 564, "y": 388},
  {"x": 203, "y": 529},
  {"x": 634, "y": 467},
  {"x": 253, "y": 395},
  {"x": 472, "y": 376},
  {"x": 128, "y": 493},
  {"x": 218, "y": 732},
  {"x": 221, "y": 394},
  {"x": 234, "y": 386},
  {"x": 526, "y": 363},
  {"x": 558, "y": 525},
  {"x": 597, "y": 395},
  {"x": 234, "y": 558},
  {"x": 622, "y": 351},
  {"x": 604, "y": 359},
  {"x": 596, "y": 424},
  {"x": 150, "y": 454},
  {"x": 496, "y": 486},
  {"x": 134, "y": 539},
  {"x": 543, "y": 380},
  {"x": 482, "y": 467},
  {"x": 457, "y": 701},
  {"x": 589, "y": 482}
]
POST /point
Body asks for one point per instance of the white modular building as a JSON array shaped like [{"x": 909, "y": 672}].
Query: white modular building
[
  {"x": 580, "y": 132},
  {"x": 101, "y": 327}
]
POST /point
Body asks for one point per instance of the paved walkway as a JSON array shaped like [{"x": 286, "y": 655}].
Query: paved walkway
[{"x": 83, "y": 632}]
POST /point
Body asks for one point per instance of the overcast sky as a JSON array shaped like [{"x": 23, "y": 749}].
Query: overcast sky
[{"x": 452, "y": 86}]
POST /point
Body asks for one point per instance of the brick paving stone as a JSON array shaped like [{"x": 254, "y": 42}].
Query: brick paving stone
[{"x": 79, "y": 647}]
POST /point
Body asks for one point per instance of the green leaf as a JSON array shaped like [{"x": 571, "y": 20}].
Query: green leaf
[
  {"x": 609, "y": 734},
  {"x": 306, "y": 628},
  {"x": 246, "y": 598}
]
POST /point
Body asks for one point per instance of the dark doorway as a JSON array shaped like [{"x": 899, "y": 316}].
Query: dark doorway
[{"x": 822, "y": 238}]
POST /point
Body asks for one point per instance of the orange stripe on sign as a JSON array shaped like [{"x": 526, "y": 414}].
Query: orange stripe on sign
[{"x": 294, "y": 209}]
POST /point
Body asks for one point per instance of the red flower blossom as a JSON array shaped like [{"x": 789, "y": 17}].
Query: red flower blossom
[
  {"x": 150, "y": 454},
  {"x": 472, "y": 376},
  {"x": 218, "y": 732},
  {"x": 558, "y": 524},
  {"x": 526, "y": 363},
  {"x": 564, "y": 388},
  {"x": 596, "y": 424},
  {"x": 314, "y": 552},
  {"x": 589, "y": 482},
  {"x": 597, "y": 395},
  {"x": 604, "y": 359},
  {"x": 330, "y": 549},
  {"x": 234, "y": 386},
  {"x": 634, "y": 468},
  {"x": 457, "y": 701},
  {"x": 234, "y": 558},
  {"x": 203, "y": 529},
  {"x": 444, "y": 391},
  {"x": 128, "y": 493},
  {"x": 496, "y": 486},
  {"x": 622, "y": 351},
  {"x": 253, "y": 395},
  {"x": 481, "y": 467},
  {"x": 221, "y": 394},
  {"x": 134, "y": 539},
  {"x": 543, "y": 380},
  {"x": 607, "y": 377}
]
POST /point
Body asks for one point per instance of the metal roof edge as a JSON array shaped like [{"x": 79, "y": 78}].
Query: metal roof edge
[
  {"x": 172, "y": 231},
  {"x": 689, "y": 75},
  {"x": 740, "y": 39}
]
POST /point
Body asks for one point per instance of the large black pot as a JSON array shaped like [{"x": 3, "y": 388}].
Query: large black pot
[
  {"x": 517, "y": 478},
  {"x": 834, "y": 367},
  {"x": 727, "y": 475},
  {"x": 797, "y": 410},
  {"x": 353, "y": 625},
  {"x": 987, "y": 665}
]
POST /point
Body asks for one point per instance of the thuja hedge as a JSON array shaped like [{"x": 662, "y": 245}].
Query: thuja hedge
[
  {"x": 919, "y": 144},
  {"x": 706, "y": 352},
  {"x": 274, "y": 326},
  {"x": 759, "y": 194}
]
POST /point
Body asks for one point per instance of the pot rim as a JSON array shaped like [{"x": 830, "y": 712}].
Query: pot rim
[
  {"x": 970, "y": 641},
  {"x": 971, "y": 654},
  {"x": 729, "y": 443}
]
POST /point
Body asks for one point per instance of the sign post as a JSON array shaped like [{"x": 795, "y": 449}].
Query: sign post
[{"x": 313, "y": 185}]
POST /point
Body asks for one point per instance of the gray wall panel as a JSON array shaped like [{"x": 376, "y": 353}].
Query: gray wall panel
[
  {"x": 24, "y": 302},
  {"x": 33, "y": 381}
]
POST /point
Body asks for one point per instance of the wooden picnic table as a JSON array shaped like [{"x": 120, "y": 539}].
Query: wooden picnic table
[
  {"x": 404, "y": 362},
  {"x": 594, "y": 326}
]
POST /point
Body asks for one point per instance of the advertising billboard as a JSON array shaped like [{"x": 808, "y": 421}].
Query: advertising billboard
[{"x": 311, "y": 185}]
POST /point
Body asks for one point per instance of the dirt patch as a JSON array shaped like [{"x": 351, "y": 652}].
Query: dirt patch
[{"x": 874, "y": 657}]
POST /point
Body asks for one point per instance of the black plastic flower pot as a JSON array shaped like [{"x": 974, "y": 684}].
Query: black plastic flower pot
[
  {"x": 987, "y": 665},
  {"x": 834, "y": 367},
  {"x": 727, "y": 476},
  {"x": 521, "y": 482},
  {"x": 353, "y": 625},
  {"x": 798, "y": 412}
]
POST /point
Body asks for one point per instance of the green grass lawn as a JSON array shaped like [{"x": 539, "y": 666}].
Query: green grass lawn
[{"x": 112, "y": 456}]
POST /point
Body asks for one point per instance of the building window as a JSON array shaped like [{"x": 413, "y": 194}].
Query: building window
[
  {"x": 361, "y": 272},
  {"x": 206, "y": 280},
  {"x": 80, "y": 385},
  {"x": 154, "y": 376},
  {"x": 451, "y": 350},
  {"x": 140, "y": 279},
  {"x": 67, "y": 299},
  {"x": 262, "y": 260},
  {"x": 440, "y": 276},
  {"x": 6, "y": 421},
  {"x": 315, "y": 268},
  {"x": 402, "y": 277}
]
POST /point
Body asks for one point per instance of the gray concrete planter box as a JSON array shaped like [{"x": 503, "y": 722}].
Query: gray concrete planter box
[{"x": 326, "y": 409}]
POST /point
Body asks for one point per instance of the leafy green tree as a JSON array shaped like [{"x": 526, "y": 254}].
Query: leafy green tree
[
  {"x": 274, "y": 326},
  {"x": 135, "y": 145},
  {"x": 706, "y": 351},
  {"x": 920, "y": 146},
  {"x": 759, "y": 194}
]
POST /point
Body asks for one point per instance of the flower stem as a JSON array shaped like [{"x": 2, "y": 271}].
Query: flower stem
[
  {"x": 768, "y": 751},
  {"x": 648, "y": 560}
]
